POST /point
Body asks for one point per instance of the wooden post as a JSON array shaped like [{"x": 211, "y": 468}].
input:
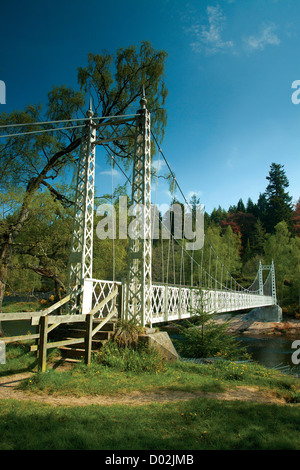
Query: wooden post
[
  {"x": 42, "y": 359},
  {"x": 88, "y": 339}
]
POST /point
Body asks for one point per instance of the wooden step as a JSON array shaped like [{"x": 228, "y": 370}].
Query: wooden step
[
  {"x": 72, "y": 353},
  {"x": 100, "y": 335},
  {"x": 72, "y": 331}
]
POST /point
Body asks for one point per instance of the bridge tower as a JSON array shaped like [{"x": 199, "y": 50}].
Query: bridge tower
[
  {"x": 271, "y": 269},
  {"x": 81, "y": 256},
  {"x": 139, "y": 282}
]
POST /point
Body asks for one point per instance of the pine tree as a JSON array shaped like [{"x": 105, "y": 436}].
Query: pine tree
[{"x": 278, "y": 200}]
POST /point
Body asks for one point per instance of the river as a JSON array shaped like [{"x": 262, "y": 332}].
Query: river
[{"x": 271, "y": 351}]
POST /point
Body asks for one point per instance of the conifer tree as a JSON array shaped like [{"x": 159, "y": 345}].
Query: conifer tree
[{"x": 278, "y": 200}]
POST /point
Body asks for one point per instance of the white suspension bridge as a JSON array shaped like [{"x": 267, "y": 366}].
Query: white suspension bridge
[
  {"x": 210, "y": 287},
  {"x": 146, "y": 301}
]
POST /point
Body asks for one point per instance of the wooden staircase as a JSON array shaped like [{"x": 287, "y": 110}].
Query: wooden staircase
[{"x": 75, "y": 351}]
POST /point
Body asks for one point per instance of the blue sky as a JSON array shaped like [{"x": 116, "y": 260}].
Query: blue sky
[{"x": 229, "y": 72}]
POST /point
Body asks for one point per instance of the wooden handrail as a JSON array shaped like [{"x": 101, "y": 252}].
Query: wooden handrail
[{"x": 56, "y": 305}]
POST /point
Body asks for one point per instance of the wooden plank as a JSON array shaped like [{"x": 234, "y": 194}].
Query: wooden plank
[
  {"x": 56, "y": 305},
  {"x": 62, "y": 319},
  {"x": 88, "y": 340},
  {"x": 20, "y": 316},
  {"x": 105, "y": 320},
  {"x": 34, "y": 316},
  {"x": 52, "y": 327},
  {"x": 58, "y": 344},
  {"x": 42, "y": 359},
  {"x": 12, "y": 339}
]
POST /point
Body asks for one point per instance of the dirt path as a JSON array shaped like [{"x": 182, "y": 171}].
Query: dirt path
[{"x": 8, "y": 390}]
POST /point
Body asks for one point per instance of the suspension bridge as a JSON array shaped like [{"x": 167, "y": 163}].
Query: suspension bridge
[
  {"x": 141, "y": 297},
  {"x": 211, "y": 289}
]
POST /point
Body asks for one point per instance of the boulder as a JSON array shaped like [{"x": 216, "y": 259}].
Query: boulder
[{"x": 161, "y": 341}]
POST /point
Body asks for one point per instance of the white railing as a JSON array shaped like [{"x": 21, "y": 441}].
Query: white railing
[
  {"x": 170, "y": 303},
  {"x": 173, "y": 303},
  {"x": 95, "y": 291}
]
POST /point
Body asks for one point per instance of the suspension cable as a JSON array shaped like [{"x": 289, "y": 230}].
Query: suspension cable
[{"x": 41, "y": 131}]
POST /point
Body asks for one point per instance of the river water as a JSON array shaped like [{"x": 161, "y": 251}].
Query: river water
[{"x": 272, "y": 351}]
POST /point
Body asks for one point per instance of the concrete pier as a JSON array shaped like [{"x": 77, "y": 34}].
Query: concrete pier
[{"x": 270, "y": 313}]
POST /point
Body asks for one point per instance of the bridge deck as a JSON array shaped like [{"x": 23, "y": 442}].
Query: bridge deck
[{"x": 174, "y": 302}]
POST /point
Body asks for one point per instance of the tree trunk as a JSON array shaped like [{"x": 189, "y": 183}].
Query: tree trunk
[{"x": 4, "y": 266}]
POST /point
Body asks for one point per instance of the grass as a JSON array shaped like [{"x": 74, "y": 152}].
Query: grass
[
  {"x": 23, "y": 306},
  {"x": 122, "y": 371},
  {"x": 193, "y": 425}
]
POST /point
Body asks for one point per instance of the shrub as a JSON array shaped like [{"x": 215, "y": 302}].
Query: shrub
[
  {"x": 201, "y": 337},
  {"x": 139, "y": 359},
  {"x": 127, "y": 334}
]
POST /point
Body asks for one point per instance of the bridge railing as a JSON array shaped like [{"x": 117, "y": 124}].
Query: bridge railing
[
  {"x": 169, "y": 303},
  {"x": 173, "y": 303},
  {"x": 95, "y": 291}
]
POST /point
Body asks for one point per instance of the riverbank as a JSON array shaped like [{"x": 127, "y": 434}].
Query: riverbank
[{"x": 245, "y": 324}]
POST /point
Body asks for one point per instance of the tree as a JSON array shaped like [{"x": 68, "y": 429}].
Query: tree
[
  {"x": 278, "y": 200},
  {"x": 296, "y": 218},
  {"x": 284, "y": 249},
  {"x": 250, "y": 208},
  {"x": 258, "y": 239},
  {"x": 241, "y": 223},
  {"x": 240, "y": 206},
  {"x": 261, "y": 208},
  {"x": 30, "y": 162},
  {"x": 116, "y": 83},
  {"x": 217, "y": 215},
  {"x": 202, "y": 337},
  {"x": 42, "y": 246}
]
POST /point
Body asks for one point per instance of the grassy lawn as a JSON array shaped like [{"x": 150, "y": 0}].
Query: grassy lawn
[{"x": 192, "y": 425}]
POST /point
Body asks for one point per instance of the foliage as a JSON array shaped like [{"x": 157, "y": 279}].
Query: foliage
[
  {"x": 278, "y": 200},
  {"x": 127, "y": 334},
  {"x": 30, "y": 162},
  {"x": 201, "y": 337},
  {"x": 284, "y": 249},
  {"x": 267, "y": 229},
  {"x": 116, "y": 83},
  {"x": 124, "y": 358}
]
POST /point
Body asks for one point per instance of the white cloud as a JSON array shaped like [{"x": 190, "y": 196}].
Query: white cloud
[
  {"x": 193, "y": 193},
  {"x": 209, "y": 37},
  {"x": 158, "y": 164},
  {"x": 115, "y": 172},
  {"x": 266, "y": 36}
]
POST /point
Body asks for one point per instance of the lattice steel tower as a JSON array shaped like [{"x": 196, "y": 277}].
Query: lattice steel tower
[
  {"x": 81, "y": 256},
  {"x": 138, "y": 292}
]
